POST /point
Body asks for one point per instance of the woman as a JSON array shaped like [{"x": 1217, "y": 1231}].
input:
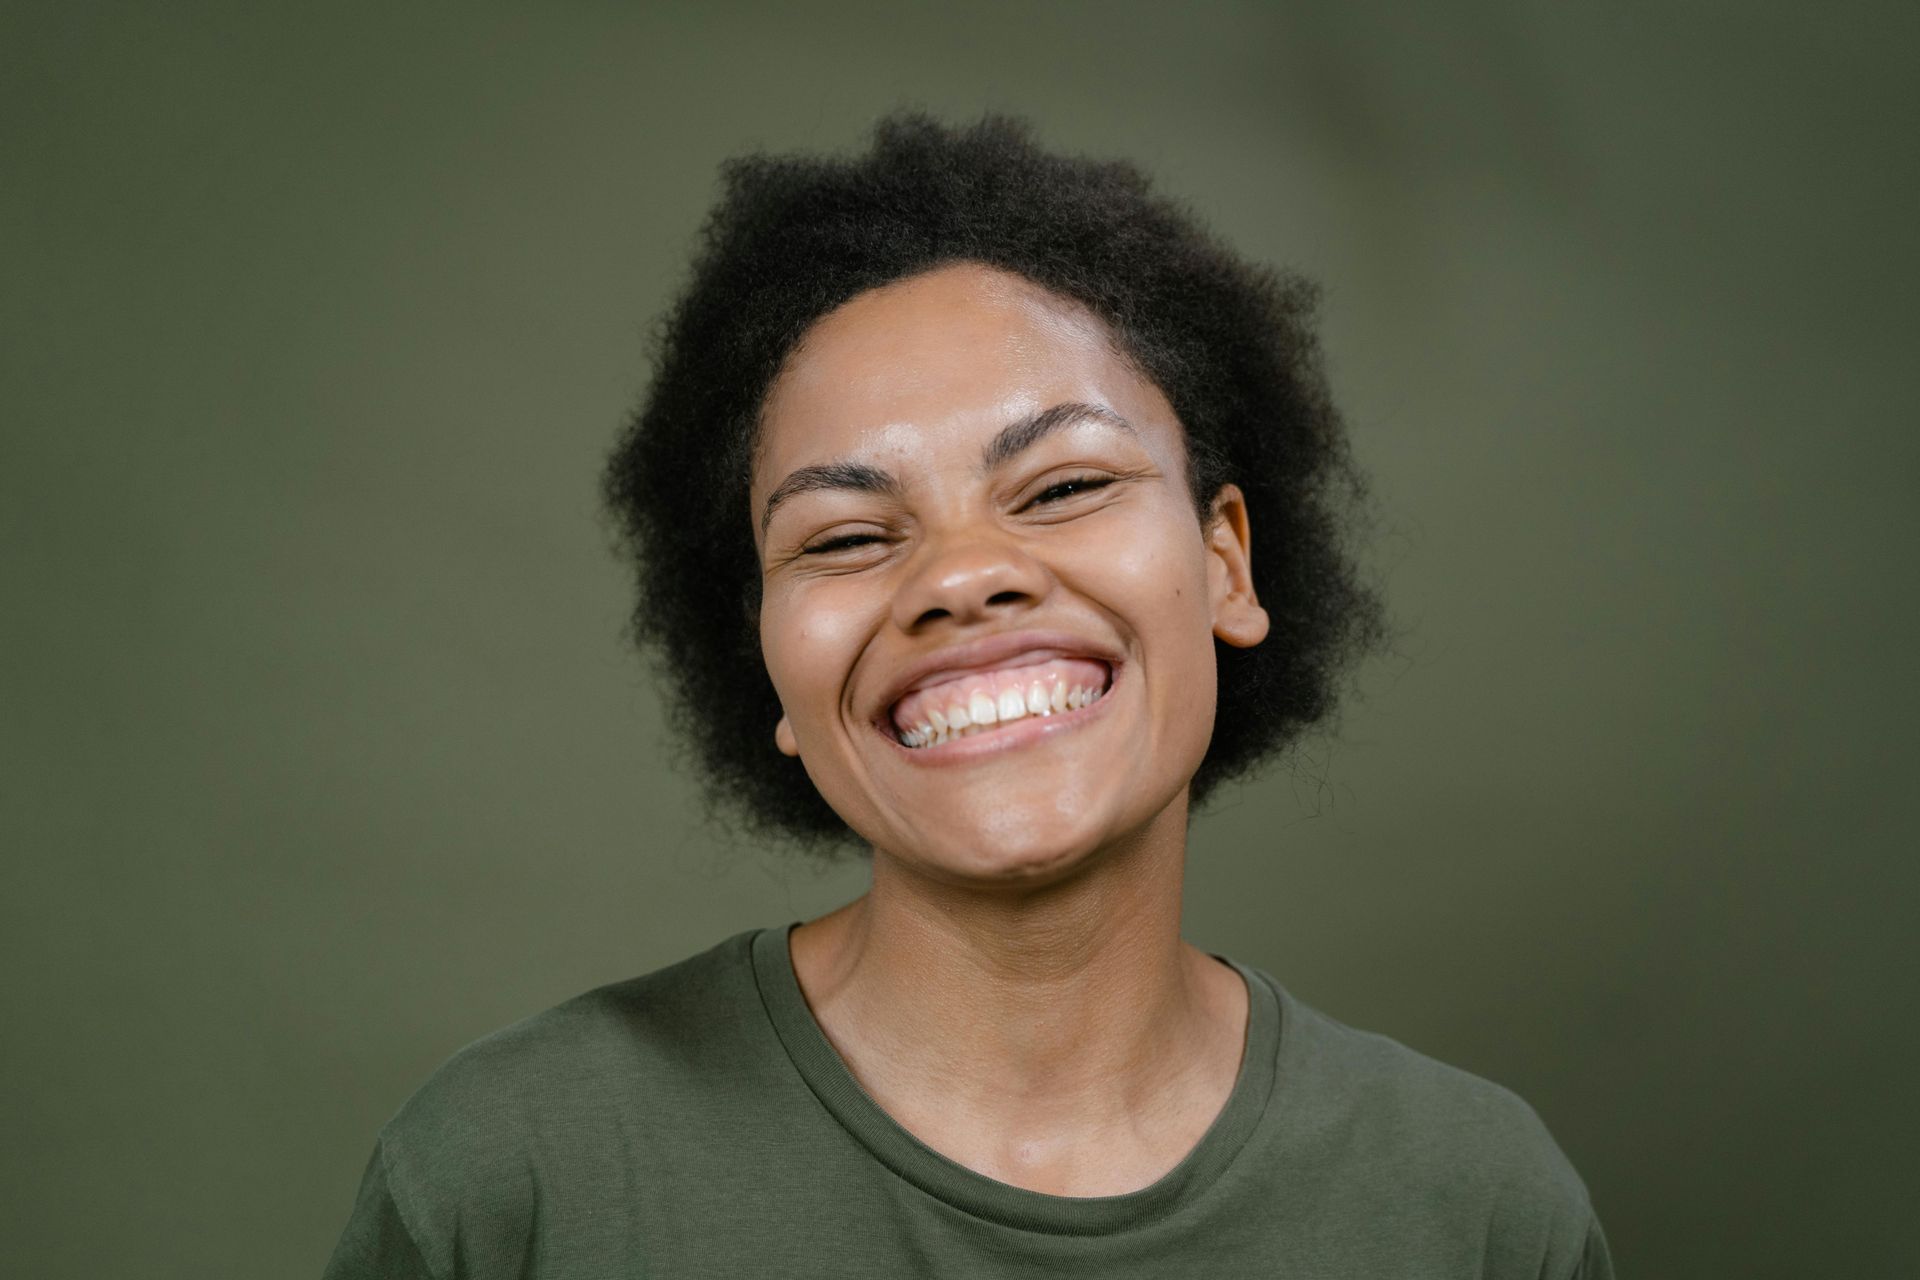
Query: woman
[{"x": 987, "y": 515}]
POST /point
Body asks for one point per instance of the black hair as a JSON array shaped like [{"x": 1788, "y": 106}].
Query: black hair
[{"x": 1231, "y": 344}]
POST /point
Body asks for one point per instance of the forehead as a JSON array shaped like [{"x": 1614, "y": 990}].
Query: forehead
[{"x": 942, "y": 361}]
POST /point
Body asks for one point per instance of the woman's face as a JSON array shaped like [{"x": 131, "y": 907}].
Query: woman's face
[{"x": 988, "y": 605}]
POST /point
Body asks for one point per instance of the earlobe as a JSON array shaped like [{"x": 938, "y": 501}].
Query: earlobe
[
  {"x": 1238, "y": 618},
  {"x": 1243, "y": 624},
  {"x": 783, "y": 738}
]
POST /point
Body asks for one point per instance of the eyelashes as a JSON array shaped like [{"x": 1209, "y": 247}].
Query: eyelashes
[
  {"x": 1060, "y": 491},
  {"x": 1068, "y": 488},
  {"x": 844, "y": 543}
]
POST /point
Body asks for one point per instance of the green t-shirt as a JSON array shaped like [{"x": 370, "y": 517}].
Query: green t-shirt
[{"x": 696, "y": 1122}]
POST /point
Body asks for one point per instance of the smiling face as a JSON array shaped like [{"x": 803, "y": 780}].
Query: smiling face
[{"x": 988, "y": 605}]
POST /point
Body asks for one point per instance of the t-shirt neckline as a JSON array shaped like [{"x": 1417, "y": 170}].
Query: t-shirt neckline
[{"x": 820, "y": 1065}]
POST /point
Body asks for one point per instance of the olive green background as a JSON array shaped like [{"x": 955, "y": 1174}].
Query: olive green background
[{"x": 324, "y": 753}]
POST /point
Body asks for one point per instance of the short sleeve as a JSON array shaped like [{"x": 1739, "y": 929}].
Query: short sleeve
[
  {"x": 376, "y": 1244},
  {"x": 1595, "y": 1262}
]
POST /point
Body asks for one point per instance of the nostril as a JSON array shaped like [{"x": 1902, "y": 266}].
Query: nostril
[{"x": 1006, "y": 597}]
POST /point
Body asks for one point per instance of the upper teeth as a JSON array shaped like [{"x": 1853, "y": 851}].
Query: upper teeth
[{"x": 976, "y": 713}]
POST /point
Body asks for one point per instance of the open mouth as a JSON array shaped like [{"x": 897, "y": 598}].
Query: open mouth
[{"x": 986, "y": 701}]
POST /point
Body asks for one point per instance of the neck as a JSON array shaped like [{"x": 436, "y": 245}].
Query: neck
[{"x": 1018, "y": 1022}]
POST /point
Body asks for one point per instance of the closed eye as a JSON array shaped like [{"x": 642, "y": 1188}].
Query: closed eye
[
  {"x": 1069, "y": 488},
  {"x": 1053, "y": 493},
  {"x": 842, "y": 543}
]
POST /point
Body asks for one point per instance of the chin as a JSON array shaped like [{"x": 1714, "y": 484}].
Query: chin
[
  {"x": 1018, "y": 848},
  {"x": 1024, "y": 820}
]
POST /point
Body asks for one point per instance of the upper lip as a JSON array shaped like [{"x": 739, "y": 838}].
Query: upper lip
[{"x": 990, "y": 653}]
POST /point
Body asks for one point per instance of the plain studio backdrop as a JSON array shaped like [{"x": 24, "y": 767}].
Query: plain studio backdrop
[{"x": 324, "y": 752}]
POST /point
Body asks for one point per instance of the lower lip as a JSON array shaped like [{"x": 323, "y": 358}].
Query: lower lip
[{"x": 1028, "y": 729}]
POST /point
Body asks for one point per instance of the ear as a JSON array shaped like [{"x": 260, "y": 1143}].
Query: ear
[
  {"x": 783, "y": 738},
  {"x": 1238, "y": 618}
]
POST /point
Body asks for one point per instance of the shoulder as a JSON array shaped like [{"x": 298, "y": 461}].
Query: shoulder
[
  {"x": 658, "y": 1023},
  {"x": 1462, "y": 1148},
  {"x": 463, "y": 1153},
  {"x": 1402, "y": 1096}
]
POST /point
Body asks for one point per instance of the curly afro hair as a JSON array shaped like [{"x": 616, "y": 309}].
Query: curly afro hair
[{"x": 1229, "y": 343}]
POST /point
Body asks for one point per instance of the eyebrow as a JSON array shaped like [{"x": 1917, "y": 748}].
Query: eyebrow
[
  {"x": 1011, "y": 440},
  {"x": 856, "y": 476},
  {"x": 1030, "y": 430}
]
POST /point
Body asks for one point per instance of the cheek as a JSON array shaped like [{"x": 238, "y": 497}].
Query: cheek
[
  {"x": 1157, "y": 585},
  {"x": 809, "y": 637},
  {"x": 1157, "y": 579}
]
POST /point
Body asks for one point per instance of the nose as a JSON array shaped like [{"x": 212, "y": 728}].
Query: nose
[{"x": 969, "y": 580}]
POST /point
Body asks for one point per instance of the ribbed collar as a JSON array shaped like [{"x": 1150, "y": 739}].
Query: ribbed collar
[{"x": 820, "y": 1065}]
